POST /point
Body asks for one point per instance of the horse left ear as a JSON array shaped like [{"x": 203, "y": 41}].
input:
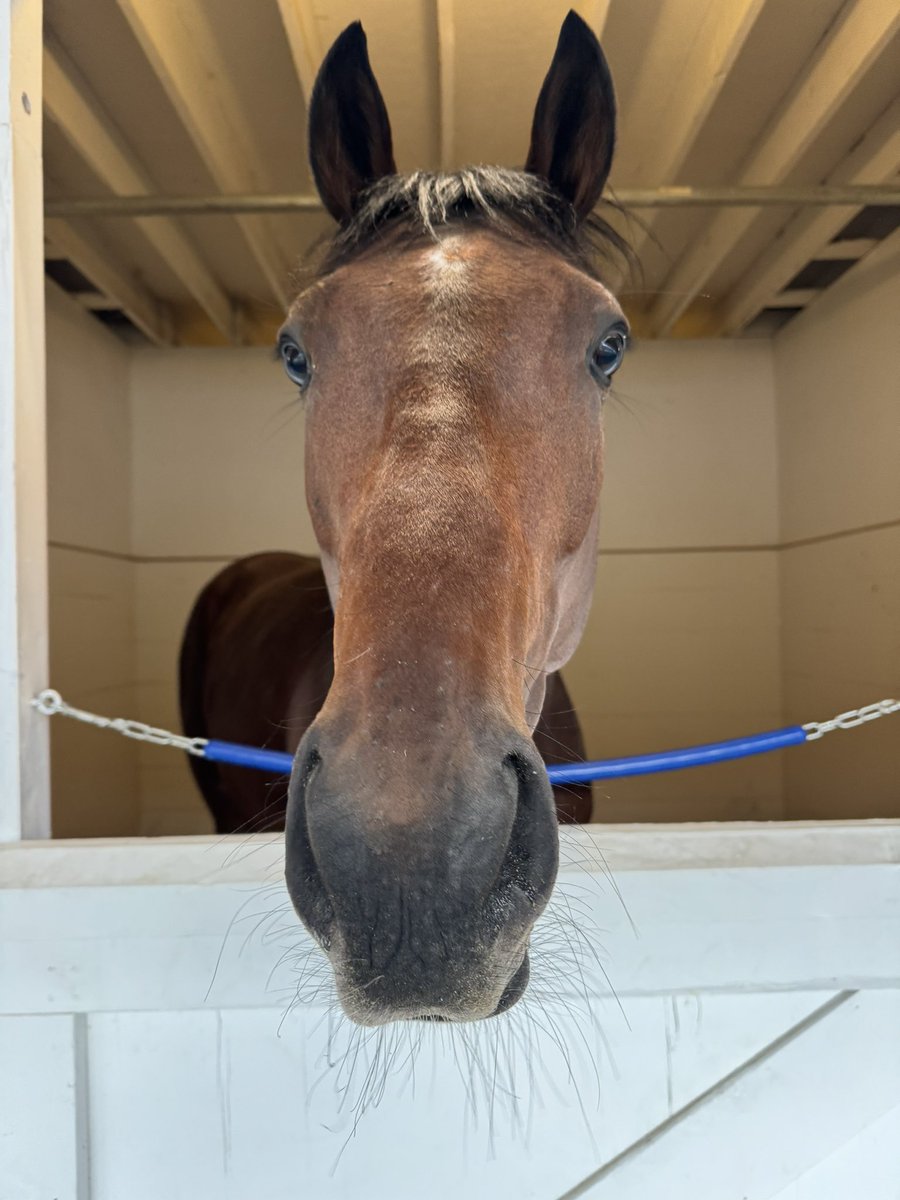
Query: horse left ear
[
  {"x": 574, "y": 129},
  {"x": 349, "y": 131}
]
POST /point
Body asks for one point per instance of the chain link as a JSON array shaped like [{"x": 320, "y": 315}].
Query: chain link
[
  {"x": 851, "y": 718},
  {"x": 50, "y": 702}
]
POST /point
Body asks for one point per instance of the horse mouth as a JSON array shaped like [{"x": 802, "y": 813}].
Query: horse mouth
[{"x": 368, "y": 1010}]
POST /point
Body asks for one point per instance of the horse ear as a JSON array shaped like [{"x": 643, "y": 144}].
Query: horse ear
[
  {"x": 574, "y": 130},
  {"x": 349, "y": 132}
]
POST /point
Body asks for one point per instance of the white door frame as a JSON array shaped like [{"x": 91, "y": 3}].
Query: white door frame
[{"x": 24, "y": 743}]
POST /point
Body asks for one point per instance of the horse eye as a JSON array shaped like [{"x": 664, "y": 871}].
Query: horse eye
[
  {"x": 296, "y": 363},
  {"x": 607, "y": 354}
]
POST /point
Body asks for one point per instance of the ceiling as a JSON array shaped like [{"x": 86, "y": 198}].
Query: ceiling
[{"x": 208, "y": 97}]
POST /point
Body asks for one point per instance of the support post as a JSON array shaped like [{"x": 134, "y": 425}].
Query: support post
[{"x": 24, "y": 747}]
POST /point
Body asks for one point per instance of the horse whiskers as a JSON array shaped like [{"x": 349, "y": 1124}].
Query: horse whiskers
[
  {"x": 567, "y": 844},
  {"x": 568, "y": 749},
  {"x": 502, "y": 1064},
  {"x": 362, "y": 1063},
  {"x": 529, "y": 667}
]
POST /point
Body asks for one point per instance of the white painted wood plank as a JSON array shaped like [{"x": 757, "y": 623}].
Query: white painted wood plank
[
  {"x": 271, "y": 1103},
  {"x": 806, "y": 235},
  {"x": 24, "y": 749},
  {"x": 92, "y": 258},
  {"x": 259, "y": 858},
  {"x": 868, "y": 1165},
  {"x": 794, "y": 298},
  {"x": 180, "y": 43},
  {"x": 89, "y": 948},
  {"x": 244, "y": 1108},
  {"x": 708, "y": 1036},
  {"x": 770, "y": 1124},
  {"x": 43, "y": 1131},
  {"x": 849, "y": 248},
  {"x": 694, "y": 48},
  {"x": 860, "y": 35},
  {"x": 71, "y": 104},
  {"x": 155, "y": 1120},
  {"x": 446, "y": 48},
  {"x": 299, "y": 22}
]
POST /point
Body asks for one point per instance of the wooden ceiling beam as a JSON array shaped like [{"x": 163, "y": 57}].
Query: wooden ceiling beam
[
  {"x": 678, "y": 196},
  {"x": 865, "y": 30},
  {"x": 303, "y": 40},
  {"x": 794, "y": 298},
  {"x": 70, "y": 104},
  {"x": 875, "y": 160},
  {"x": 594, "y": 12},
  {"x": 846, "y": 248},
  {"x": 446, "y": 53},
  {"x": 150, "y": 315},
  {"x": 179, "y": 43},
  {"x": 666, "y": 122}
]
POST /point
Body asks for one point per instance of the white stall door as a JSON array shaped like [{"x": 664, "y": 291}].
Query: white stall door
[{"x": 700, "y": 1029}]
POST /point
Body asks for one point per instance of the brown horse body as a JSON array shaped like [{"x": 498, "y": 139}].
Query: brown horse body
[
  {"x": 453, "y": 351},
  {"x": 256, "y": 665}
]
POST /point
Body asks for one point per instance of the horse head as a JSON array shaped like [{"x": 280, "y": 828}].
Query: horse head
[{"x": 453, "y": 350}]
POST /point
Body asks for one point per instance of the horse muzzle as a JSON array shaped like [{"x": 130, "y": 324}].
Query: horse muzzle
[{"x": 421, "y": 879}]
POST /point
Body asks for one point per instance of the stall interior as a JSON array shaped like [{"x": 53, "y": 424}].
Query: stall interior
[{"x": 749, "y": 571}]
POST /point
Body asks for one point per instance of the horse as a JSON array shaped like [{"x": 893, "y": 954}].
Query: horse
[{"x": 452, "y": 347}]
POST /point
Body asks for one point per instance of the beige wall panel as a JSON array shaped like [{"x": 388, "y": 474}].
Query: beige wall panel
[
  {"x": 218, "y": 451},
  {"x": 218, "y": 454},
  {"x": 94, "y": 774},
  {"x": 681, "y": 649},
  {"x": 841, "y": 616},
  {"x": 88, "y": 429},
  {"x": 165, "y": 594},
  {"x": 837, "y": 369},
  {"x": 691, "y": 450}
]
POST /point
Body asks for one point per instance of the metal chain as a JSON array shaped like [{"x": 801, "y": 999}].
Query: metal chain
[
  {"x": 50, "y": 702},
  {"x": 851, "y": 718}
]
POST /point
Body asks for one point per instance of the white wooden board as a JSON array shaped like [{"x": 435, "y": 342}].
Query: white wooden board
[{"x": 153, "y": 1042}]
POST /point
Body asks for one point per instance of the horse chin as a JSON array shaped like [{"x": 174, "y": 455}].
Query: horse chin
[{"x": 363, "y": 1008}]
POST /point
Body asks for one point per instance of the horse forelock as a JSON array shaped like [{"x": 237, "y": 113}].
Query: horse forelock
[{"x": 424, "y": 204}]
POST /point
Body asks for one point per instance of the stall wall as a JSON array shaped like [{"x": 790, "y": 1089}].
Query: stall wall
[
  {"x": 837, "y": 371},
  {"x": 217, "y": 472},
  {"x": 749, "y": 567},
  {"x": 91, "y": 575},
  {"x": 682, "y": 643}
]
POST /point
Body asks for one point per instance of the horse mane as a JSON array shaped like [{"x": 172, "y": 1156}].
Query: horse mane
[{"x": 405, "y": 209}]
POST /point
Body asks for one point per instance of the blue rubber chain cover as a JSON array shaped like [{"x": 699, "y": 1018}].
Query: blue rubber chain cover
[{"x": 610, "y": 768}]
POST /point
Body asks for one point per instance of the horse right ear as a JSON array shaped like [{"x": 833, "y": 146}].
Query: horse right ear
[
  {"x": 574, "y": 130},
  {"x": 349, "y": 132}
]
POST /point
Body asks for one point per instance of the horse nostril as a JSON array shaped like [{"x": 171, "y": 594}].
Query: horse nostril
[
  {"x": 311, "y": 760},
  {"x": 531, "y": 859},
  {"x": 304, "y": 881}
]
